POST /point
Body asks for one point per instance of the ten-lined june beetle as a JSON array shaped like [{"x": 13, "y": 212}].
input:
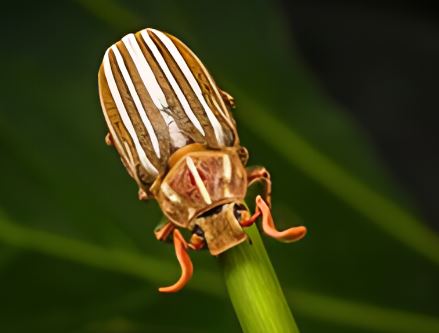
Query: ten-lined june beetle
[{"x": 173, "y": 129}]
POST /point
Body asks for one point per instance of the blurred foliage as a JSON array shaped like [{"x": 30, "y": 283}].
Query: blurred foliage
[{"x": 77, "y": 253}]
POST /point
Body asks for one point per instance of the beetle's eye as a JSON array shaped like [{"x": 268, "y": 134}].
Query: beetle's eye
[
  {"x": 237, "y": 211},
  {"x": 198, "y": 231}
]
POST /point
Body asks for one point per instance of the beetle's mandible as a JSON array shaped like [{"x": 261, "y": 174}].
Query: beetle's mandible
[{"x": 174, "y": 131}]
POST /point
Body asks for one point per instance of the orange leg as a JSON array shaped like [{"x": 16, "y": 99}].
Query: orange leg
[
  {"x": 287, "y": 236},
  {"x": 197, "y": 242},
  {"x": 260, "y": 174},
  {"x": 163, "y": 231},
  {"x": 181, "y": 247},
  {"x": 252, "y": 219}
]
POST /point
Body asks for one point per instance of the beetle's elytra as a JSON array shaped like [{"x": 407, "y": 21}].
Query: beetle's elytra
[{"x": 174, "y": 131}]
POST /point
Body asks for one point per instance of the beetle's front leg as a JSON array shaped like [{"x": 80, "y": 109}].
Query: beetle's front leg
[
  {"x": 197, "y": 241},
  {"x": 260, "y": 174},
  {"x": 163, "y": 230},
  {"x": 181, "y": 247}
]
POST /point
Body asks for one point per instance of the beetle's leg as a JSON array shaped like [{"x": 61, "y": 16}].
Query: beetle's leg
[
  {"x": 260, "y": 174},
  {"x": 163, "y": 230},
  {"x": 243, "y": 155},
  {"x": 142, "y": 195},
  {"x": 228, "y": 99},
  {"x": 108, "y": 139},
  {"x": 197, "y": 241},
  {"x": 185, "y": 263},
  {"x": 252, "y": 219},
  {"x": 287, "y": 236}
]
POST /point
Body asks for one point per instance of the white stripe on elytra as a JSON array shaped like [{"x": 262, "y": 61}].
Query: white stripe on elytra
[
  {"x": 192, "y": 82},
  {"x": 198, "y": 181},
  {"x": 136, "y": 99},
  {"x": 124, "y": 115},
  {"x": 145, "y": 71},
  {"x": 182, "y": 99},
  {"x": 154, "y": 90}
]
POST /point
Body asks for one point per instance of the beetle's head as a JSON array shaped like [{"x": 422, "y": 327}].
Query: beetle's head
[{"x": 220, "y": 227}]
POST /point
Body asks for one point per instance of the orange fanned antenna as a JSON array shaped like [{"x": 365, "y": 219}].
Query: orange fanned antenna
[{"x": 185, "y": 263}]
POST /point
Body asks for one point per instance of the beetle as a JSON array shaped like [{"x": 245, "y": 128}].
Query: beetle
[{"x": 175, "y": 133}]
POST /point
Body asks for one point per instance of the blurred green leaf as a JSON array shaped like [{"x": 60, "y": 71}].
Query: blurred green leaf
[
  {"x": 147, "y": 268},
  {"x": 379, "y": 209}
]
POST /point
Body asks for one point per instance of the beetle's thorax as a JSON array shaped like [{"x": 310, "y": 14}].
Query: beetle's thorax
[{"x": 198, "y": 180}]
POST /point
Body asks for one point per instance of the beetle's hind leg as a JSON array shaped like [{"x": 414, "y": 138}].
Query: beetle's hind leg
[{"x": 181, "y": 247}]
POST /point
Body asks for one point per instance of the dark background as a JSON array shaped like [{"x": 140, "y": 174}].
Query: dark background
[
  {"x": 337, "y": 99},
  {"x": 379, "y": 59}
]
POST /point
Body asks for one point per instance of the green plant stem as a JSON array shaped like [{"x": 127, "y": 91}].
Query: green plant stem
[{"x": 253, "y": 288}]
